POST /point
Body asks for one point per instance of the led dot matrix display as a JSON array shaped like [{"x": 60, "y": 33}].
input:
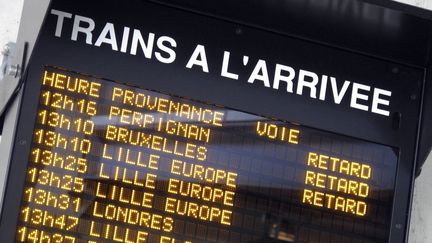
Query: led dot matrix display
[{"x": 115, "y": 163}]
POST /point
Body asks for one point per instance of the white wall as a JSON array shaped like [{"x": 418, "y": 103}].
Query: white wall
[
  {"x": 10, "y": 14},
  {"x": 420, "y": 3},
  {"x": 421, "y": 220}
]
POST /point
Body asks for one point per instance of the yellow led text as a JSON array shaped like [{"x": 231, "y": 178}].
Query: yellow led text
[
  {"x": 25, "y": 234},
  {"x": 172, "y": 127},
  {"x": 58, "y": 160},
  {"x": 198, "y": 211},
  {"x": 325, "y": 162},
  {"x": 356, "y": 186},
  {"x": 116, "y": 233},
  {"x": 127, "y": 176},
  {"x": 73, "y": 85},
  {"x": 55, "y": 180},
  {"x": 67, "y": 103},
  {"x": 334, "y": 183},
  {"x": 201, "y": 192},
  {"x": 131, "y": 157},
  {"x": 40, "y": 217},
  {"x": 334, "y": 202},
  {"x": 191, "y": 112},
  {"x": 124, "y": 195},
  {"x": 204, "y": 174},
  {"x": 131, "y": 216},
  {"x": 69, "y": 123},
  {"x": 47, "y": 198},
  {"x": 58, "y": 140},
  {"x": 165, "y": 239},
  {"x": 275, "y": 132},
  {"x": 157, "y": 143}
]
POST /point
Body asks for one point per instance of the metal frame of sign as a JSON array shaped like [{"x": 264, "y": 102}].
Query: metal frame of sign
[{"x": 189, "y": 28}]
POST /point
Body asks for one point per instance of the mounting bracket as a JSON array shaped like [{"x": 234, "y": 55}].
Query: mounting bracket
[{"x": 10, "y": 73}]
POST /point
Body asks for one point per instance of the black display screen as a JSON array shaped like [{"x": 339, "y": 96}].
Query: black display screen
[{"x": 115, "y": 163}]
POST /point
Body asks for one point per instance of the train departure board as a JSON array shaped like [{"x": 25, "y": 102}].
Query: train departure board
[{"x": 111, "y": 162}]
